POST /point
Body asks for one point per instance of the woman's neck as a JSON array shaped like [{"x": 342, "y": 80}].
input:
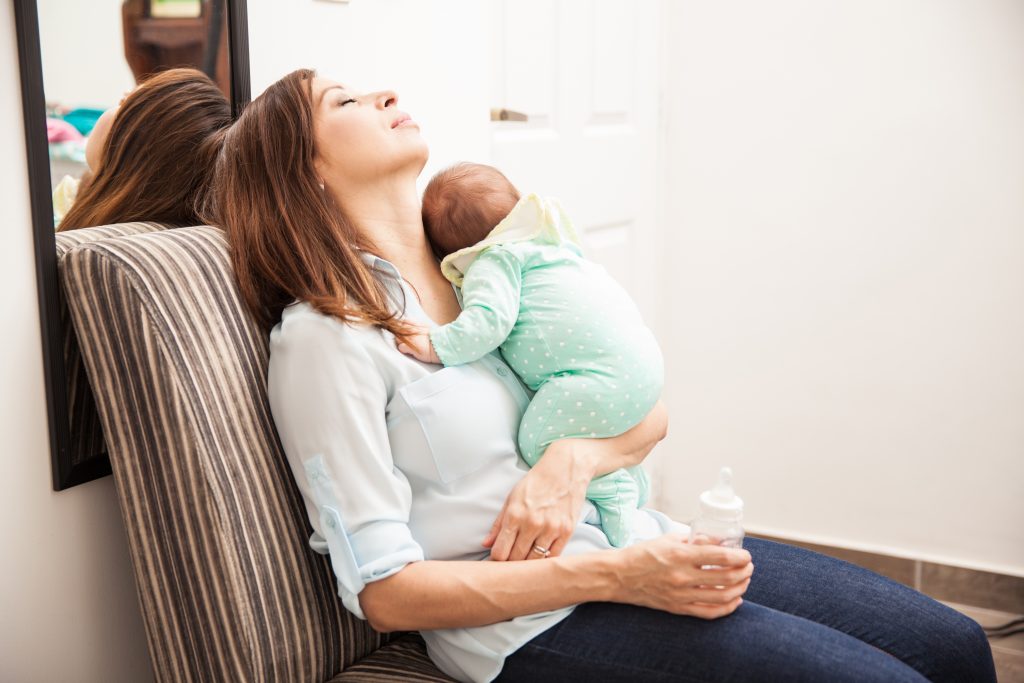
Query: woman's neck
[{"x": 391, "y": 218}]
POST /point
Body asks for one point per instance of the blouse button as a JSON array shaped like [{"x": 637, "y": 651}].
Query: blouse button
[{"x": 502, "y": 371}]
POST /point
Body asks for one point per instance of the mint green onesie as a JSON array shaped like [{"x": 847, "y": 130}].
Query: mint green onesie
[{"x": 572, "y": 334}]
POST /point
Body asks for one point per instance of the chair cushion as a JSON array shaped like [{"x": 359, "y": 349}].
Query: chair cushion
[
  {"x": 218, "y": 534},
  {"x": 86, "y": 433},
  {"x": 402, "y": 659}
]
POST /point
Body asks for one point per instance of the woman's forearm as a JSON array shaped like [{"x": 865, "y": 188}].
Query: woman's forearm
[
  {"x": 600, "y": 456},
  {"x": 454, "y": 593},
  {"x": 450, "y": 593}
]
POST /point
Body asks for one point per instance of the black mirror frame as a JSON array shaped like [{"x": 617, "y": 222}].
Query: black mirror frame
[{"x": 26, "y": 21}]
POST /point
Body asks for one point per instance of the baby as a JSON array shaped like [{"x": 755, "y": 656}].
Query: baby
[{"x": 562, "y": 323}]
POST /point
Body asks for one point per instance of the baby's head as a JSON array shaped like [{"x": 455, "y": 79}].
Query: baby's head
[{"x": 463, "y": 203}]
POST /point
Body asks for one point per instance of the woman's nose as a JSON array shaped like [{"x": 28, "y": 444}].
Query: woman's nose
[{"x": 387, "y": 98}]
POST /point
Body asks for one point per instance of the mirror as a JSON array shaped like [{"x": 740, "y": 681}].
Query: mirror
[{"x": 78, "y": 60}]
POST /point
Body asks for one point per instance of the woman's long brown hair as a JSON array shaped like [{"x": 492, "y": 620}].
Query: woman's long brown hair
[
  {"x": 158, "y": 155},
  {"x": 288, "y": 239}
]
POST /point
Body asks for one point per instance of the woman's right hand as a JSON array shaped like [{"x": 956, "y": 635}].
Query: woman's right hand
[{"x": 665, "y": 573}]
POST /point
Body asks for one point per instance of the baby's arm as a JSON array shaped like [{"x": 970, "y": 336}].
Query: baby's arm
[{"x": 490, "y": 306}]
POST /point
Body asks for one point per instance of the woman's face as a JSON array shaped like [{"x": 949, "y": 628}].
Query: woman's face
[
  {"x": 98, "y": 135},
  {"x": 97, "y": 138},
  {"x": 362, "y": 138}
]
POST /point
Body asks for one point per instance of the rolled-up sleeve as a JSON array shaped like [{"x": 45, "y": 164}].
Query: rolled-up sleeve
[{"x": 328, "y": 401}]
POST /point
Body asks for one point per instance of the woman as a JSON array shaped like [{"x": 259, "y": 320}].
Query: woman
[
  {"x": 410, "y": 474},
  {"x": 151, "y": 156}
]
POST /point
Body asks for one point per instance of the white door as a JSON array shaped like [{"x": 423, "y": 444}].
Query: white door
[{"x": 585, "y": 73}]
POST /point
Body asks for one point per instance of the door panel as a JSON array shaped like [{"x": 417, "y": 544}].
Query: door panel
[{"x": 586, "y": 73}]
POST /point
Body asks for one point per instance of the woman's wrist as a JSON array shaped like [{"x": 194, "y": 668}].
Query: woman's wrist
[
  {"x": 593, "y": 457},
  {"x": 598, "y": 576},
  {"x": 582, "y": 460}
]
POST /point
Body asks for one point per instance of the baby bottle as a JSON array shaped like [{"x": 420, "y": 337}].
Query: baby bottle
[{"x": 721, "y": 512}]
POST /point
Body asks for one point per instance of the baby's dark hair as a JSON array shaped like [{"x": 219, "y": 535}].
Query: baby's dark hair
[{"x": 462, "y": 203}]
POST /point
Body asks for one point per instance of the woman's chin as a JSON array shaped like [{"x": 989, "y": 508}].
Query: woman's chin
[{"x": 422, "y": 157}]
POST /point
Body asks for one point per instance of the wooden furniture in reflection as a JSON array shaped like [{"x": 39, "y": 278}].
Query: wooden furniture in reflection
[{"x": 155, "y": 43}]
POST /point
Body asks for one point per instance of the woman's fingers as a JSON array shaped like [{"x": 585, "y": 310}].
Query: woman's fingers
[
  {"x": 540, "y": 510},
  {"x": 546, "y": 541},
  {"x": 726, "y": 576},
  {"x": 719, "y": 556},
  {"x": 713, "y": 595},
  {"x": 558, "y": 546},
  {"x": 712, "y": 611},
  {"x": 528, "y": 536},
  {"x": 512, "y": 544},
  {"x": 503, "y": 544},
  {"x": 665, "y": 573},
  {"x": 492, "y": 535}
]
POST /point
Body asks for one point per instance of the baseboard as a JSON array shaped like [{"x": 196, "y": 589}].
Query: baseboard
[{"x": 981, "y": 588}]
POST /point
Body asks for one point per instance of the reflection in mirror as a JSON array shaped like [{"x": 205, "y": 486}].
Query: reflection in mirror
[
  {"x": 94, "y": 56},
  {"x": 124, "y": 102}
]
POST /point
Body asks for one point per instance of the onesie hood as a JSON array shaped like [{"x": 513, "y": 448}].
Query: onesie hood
[{"x": 533, "y": 217}]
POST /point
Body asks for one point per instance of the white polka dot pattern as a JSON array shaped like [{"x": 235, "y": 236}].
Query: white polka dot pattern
[{"x": 574, "y": 336}]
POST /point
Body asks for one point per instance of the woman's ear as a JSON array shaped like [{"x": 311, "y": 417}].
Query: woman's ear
[{"x": 316, "y": 172}]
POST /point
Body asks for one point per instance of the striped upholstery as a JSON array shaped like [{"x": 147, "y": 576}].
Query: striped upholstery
[
  {"x": 406, "y": 654},
  {"x": 218, "y": 535},
  {"x": 84, "y": 424}
]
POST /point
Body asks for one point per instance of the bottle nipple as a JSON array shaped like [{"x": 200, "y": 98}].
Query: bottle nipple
[
  {"x": 721, "y": 502},
  {"x": 722, "y": 493}
]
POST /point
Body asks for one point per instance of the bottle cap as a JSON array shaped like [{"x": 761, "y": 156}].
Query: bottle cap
[{"x": 721, "y": 502}]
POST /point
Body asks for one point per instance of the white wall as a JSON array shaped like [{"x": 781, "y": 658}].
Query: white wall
[
  {"x": 845, "y": 215},
  {"x": 82, "y": 46},
  {"x": 422, "y": 50},
  {"x": 67, "y": 597}
]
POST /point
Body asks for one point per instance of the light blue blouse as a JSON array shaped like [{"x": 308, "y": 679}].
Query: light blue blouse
[{"x": 400, "y": 461}]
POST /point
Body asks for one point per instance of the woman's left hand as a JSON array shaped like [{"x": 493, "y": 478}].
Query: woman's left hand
[{"x": 544, "y": 506}]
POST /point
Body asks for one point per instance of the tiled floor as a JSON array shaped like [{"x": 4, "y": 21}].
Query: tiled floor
[{"x": 1008, "y": 652}]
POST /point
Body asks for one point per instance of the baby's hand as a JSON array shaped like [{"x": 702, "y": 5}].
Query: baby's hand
[{"x": 420, "y": 347}]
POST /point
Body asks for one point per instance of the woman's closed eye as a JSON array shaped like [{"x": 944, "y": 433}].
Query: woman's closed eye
[{"x": 343, "y": 102}]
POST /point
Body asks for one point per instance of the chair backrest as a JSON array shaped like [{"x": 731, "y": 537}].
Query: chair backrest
[
  {"x": 84, "y": 426},
  {"x": 229, "y": 588}
]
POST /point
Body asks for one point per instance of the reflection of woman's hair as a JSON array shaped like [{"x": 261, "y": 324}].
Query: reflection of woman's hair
[
  {"x": 288, "y": 239},
  {"x": 158, "y": 154}
]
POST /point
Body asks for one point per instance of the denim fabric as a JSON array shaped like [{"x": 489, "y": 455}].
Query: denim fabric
[{"x": 805, "y": 617}]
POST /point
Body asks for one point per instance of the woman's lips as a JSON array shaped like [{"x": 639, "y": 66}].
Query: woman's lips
[{"x": 402, "y": 120}]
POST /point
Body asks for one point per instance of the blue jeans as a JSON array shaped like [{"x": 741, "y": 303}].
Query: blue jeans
[{"x": 805, "y": 617}]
